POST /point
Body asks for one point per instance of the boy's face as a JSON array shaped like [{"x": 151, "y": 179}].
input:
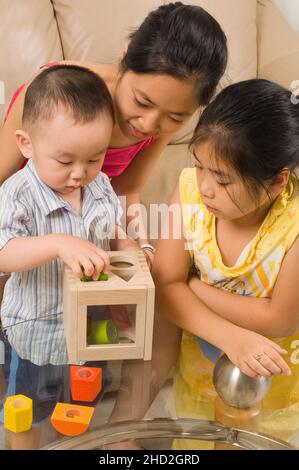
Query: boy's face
[{"x": 69, "y": 155}]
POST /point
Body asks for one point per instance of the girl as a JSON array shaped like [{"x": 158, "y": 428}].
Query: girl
[
  {"x": 240, "y": 218},
  {"x": 172, "y": 66}
]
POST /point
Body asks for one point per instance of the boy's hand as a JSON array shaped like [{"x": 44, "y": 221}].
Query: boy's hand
[
  {"x": 82, "y": 256},
  {"x": 256, "y": 355}
]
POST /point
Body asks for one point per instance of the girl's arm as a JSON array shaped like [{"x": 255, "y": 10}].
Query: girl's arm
[
  {"x": 276, "y": 317},
  {"x": 183, "y": 308}
]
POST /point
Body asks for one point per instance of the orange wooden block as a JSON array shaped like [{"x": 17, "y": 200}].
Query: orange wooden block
[
  {"x": 86, "y": 382},
  {"x": 71, "y": 420}
]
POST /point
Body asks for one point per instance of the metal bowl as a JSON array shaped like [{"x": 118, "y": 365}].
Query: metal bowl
[{"x": 238, "y": 389}]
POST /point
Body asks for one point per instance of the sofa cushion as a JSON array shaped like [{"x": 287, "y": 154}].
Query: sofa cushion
[
  {"x": 28, "y": 39},
  {"x": 278, "y": 47},
  {"x": 96, "y": 30},
  {"x": 238, "y": 20}
]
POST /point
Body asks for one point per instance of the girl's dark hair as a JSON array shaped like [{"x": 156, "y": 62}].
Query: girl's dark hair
[
  {"x": 253, "y": 127},
  {"x": 183, "y": 41},
  {"x": 78, "y": 89}
]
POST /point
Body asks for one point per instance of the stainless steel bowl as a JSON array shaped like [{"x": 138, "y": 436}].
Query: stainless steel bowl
[{"x": 235, "y": 388}]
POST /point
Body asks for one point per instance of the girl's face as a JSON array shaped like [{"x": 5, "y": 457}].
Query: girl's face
[
  {"x": 220, "y": 186},
  {"x": 153, "y": 105}
]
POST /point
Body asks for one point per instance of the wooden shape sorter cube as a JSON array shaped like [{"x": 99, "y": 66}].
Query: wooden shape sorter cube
[{"x": 129, "y": 284}]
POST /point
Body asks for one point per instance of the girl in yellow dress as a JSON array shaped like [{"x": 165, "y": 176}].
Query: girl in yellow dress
[{"x": 239, "y": 230}]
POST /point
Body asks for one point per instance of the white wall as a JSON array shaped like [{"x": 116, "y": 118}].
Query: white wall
[{"x": 290, "y": 9}]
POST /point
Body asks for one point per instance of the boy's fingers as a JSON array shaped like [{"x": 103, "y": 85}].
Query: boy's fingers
[
  {"x": 76, "y": 269},
  {"x": 98, "y": 266},
  {"x": 87, "y": 266},
  {"x": 106, "y": 260}
]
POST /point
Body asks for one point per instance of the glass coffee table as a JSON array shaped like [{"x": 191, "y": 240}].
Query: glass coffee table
[{"x": 156, "y": 432}]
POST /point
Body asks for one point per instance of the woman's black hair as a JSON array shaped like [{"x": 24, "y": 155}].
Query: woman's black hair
[
  {"x": 183, "y": 41},
  {"x": 253, "y": 127}
]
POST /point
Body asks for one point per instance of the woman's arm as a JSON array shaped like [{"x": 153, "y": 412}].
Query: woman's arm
[
  {"x": 10, "y": 155},
  {"x": 122, "y": 242},
  {"x": 132, "y": 180},
  {"x": 129, "y": 185},
  {"x": 183, "y": 307},
  {"x": 276, "y": 317}
]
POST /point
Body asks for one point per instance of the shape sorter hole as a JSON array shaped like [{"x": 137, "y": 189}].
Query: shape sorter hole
[
  {"x": 122, "y": 268},
  {"x": 83, "y": 373},
  {"x": 121, "y": 264},
  {"x": 72, "y": 413},
  {"x": 18, "y": 403}
]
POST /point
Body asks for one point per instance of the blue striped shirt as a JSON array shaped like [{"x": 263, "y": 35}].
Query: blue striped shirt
[{"x": 31, "y": 310}]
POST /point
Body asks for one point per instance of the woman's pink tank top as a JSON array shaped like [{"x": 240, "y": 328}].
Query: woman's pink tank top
[{"x": 116, "y": 159}]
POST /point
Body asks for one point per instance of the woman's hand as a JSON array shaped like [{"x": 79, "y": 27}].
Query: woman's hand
[
  {"x": 149, "y": 256},
  {"x": 256, "y": 355},
  {"x": 82, "y": 256}
]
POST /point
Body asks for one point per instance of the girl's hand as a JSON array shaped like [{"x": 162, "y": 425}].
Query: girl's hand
[
  {"x": 82, "y": 256},
  {"x": 256, "y": 355}
]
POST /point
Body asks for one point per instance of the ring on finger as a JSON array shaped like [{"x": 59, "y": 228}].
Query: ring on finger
[{"x": 259, "y": 356}]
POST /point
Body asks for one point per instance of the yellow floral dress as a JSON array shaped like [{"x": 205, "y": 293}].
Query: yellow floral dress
[{"x": 254, "y": 274}]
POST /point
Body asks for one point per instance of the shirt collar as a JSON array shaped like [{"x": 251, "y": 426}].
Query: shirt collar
[
  {"x": 46, "y": 197},
  {"x": 48, "y": 200}
]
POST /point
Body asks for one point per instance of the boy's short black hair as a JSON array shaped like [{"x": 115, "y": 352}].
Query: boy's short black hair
[{"x": 82, "y": 92}]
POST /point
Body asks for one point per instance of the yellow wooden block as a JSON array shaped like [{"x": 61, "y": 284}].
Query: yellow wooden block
[{"x": 18, "y": 413}]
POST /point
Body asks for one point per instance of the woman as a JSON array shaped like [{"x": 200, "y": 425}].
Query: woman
[{"x": 172, "y": 66}]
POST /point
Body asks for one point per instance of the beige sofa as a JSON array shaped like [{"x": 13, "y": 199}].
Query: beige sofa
[{"x": 34, "y": 32}]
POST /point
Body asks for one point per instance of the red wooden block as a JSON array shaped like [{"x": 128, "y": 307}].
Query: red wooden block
[{"x": 120, "y": 316}]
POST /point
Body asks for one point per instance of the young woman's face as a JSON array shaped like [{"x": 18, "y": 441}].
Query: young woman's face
[
  {"x": 153, "y": 105},
  {"x": 221, "y": 189}
]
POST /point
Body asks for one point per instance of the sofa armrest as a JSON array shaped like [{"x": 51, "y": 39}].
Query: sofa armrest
[{"x": 277, "y": 44}]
